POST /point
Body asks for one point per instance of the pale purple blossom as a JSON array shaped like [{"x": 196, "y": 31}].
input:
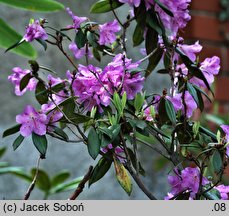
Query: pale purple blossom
[
  {"x": 32, "y": 121},
  {"x": 210, "y": 68},
  {"x": 187, "y": 180},
  {"x": 76, "y": 20},
  {"x": 191, "y": 50},
  {"x": 117, "y": 150},
  {"x": 180, "y": 11},
  {"x": 225, "y": 129},
  {"x": 35, "y": 31},
  {"x": 224, "y": 191},
  {"x": 148, "y": 113},
  {"x": 117, "y": 77},
  {"x": 133, "y": 3},
  {"x": 89, "y": 89},
  {"x": 107, "y": 32},
  {"x": 16, "y": 78},
  {"x": 53, "y": 115},
  {"x": 178, "y": 103},
  {"x": 79, "y": 53}
]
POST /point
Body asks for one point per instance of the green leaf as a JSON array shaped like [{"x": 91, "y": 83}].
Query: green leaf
[
  {"x": 79, "y": 118},
  {"x": 25, "y": 81},
  {"x": 71, "y": 185},
  {"x": 138, "y": 36},
  {"x": 43, "y": 182},
  {"x": 43, "y": 43},
  {"x": 2, "y": 151},
  {"x": 202, "y": 92},
  {"x": 34, "y": 5},
  {"x": 170, "y": 111},
  {"x": 193, "y": 92},
  {"x": 18, "y": 141},
  {"x": 96, "y": 54},
  {"x": 80, "y": 39},
  {"x": 60, "y": 132},
  {"x": 217, "y": 162},
  {"x": 41, "y": 93},
  {"x": 9, "y": 36},
  {"x": 208, "y": 132},
  {"x": 100, "y": 170},
  {"x": 18, "y": 171},
  {"x": 154, "y": 60},
  {"x": 134, "y": 162},
  {"x": 152, "y": 21},
  {"x": 60, "y": 178},
  {"x": 163, "y": 71},
  {"x": 123, "y": 177},
  {"x": 11, "y": 130},
  {"x": 164, "y": 8},
  {"x": 138, "y": 101},
  {"x": 93, "y": 143},
  {"x": 151, "y": 40},
  {"x": 104, "y": 6},
  {"x": 40, "y": 142}
]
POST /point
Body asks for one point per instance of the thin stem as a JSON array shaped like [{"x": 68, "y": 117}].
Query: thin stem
[
  {"x": 32, "y": 185},
  {"x": 81, "y": 185}
]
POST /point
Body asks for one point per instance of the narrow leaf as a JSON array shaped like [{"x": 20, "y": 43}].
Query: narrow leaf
[
  {"x": 34, "y": 5},
  {"x": 93, "y": 143},
  {"x": 60, "y": 178},
  {"x": 170, "y": 111},
  {"x": 25, "y": 81},
  {"x": 18, "y": 141},
  {"x": 100, "y": 170},
  {"x": 11, "y": 130},
  {"x": 40, "y": 142},
  {"x": 103, "y": 6},
  {"x": 123, "y": 177}
]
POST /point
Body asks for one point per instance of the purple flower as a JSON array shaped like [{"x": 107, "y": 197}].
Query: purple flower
[
  {"x": 90, "y": 90},
  {"x": 224, "y": 191},
  {"x": 79, "y": 53},
  {"x": 107, "y": 32},
  {"x": 35, "y": 31},
  {"x": 132, "y": 3},
  {"x": 148, "y": 113},
  {"x": 115, "y": 76},
  {"x": 61, "y": 95},
  {"x": 191, "y": 50},
  {"x": 226, "y": 131},
  {"x": 180, "y": 11},
  {"x": 76, "y": 20},
  {"x": 31, "y": 121},
  {"x": 117, "y": 150},
  {"x": 52, "y": 117},
  {"x": 210, "y": 67},
  {"x": 16, "y": 77},
  {"x": 189, "y": 179},
  {"x": 189, "y": 106}
]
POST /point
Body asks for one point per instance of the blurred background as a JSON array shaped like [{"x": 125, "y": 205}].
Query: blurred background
[{"x": 208, "y": 25}]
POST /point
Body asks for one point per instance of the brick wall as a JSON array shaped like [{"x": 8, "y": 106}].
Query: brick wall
[{"x": 214, "y": 36}]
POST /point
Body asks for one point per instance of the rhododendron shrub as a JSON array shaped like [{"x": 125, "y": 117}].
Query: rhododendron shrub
[{"x": 107, "y": 107}]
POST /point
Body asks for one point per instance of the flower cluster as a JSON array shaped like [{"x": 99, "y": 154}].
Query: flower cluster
[
  {"x": 189, "y": 181},
  {"x": 94, "y": 86},
  {"x": 179, "y": 8}
]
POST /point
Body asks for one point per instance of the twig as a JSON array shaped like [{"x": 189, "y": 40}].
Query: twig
[
  {"x": 132, "y": 172},
  {"x": 32, "y": 185},
  {"x": 148, "y": 56},
  {"x": 81, "y": 185}
]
